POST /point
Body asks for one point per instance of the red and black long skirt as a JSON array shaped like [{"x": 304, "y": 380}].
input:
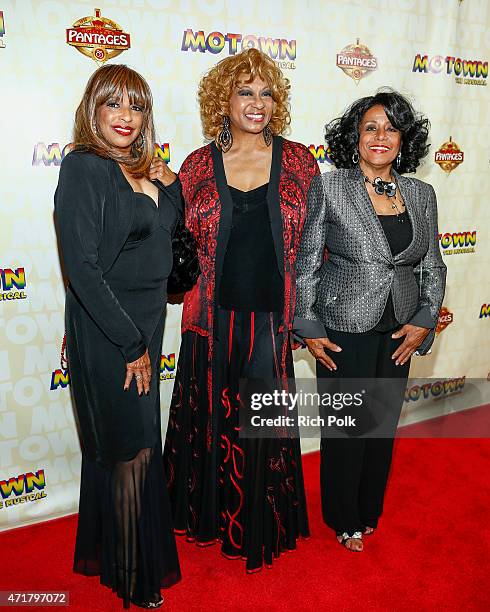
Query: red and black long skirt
[{"x": 247, "y": 494}]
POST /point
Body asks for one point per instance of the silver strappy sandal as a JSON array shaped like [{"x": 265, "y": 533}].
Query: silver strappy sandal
[{"x": 345, "y": 537}]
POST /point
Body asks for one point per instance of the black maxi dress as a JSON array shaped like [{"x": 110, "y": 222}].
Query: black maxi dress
[{"x": 124, "y": 529}]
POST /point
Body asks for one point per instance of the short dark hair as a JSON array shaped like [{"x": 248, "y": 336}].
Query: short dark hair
[{"x": 342, "y": 134}]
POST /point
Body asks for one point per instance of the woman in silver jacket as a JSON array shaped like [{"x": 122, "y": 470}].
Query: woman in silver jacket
[{"x": 370, "y": 284}]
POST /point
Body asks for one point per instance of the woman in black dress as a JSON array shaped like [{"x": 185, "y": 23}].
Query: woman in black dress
[
  {"x": 115, "y": 221},
  {"x": 245, "y": 203}
]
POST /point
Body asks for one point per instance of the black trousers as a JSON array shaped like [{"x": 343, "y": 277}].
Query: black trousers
[{"x": 354, "y": 470}]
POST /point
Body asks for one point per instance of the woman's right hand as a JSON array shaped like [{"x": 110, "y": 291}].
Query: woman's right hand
[
  {"x": 317, "y": 347},
  {"x": 159, "y": 171},
  {"x": 141, "y": 370}
]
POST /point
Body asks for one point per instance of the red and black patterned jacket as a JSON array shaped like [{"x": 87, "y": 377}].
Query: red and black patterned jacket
[
  {"x": 206, "y": 198},
  {"x": 208, "y": 215}
]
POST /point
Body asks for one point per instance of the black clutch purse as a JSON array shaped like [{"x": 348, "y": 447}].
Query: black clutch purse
[{"x": 185, "y": 269}]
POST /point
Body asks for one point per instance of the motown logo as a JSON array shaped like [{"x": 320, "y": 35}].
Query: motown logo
[
  {"x": 2, "y": 30},
  {"x": 457, "y": 243},
  {"x": 437, "y": 389},
  {"x": 445, "y": 319},
  {"x": 356, "y": 61},
  {"x": 25, "y": 488},
  {"x": 466, "y": 72},
  {"x": 279, "y": 49},
  {"x": 485, "y": 310},
  {"x": 321, "y": 153},
  {"x": 167, "y": 367},
  {"x": 98, "y": 37},
  {"x": 54, "y": 153},
  {"x": 12, "y": 284},
  {"x": 449, "y": 156},
  {"x": 59, "y": 378},
  {"x": 51, "y": 154}
]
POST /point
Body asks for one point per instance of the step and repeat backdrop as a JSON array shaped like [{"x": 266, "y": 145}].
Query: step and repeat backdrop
[{"x": 435, "y": 51}]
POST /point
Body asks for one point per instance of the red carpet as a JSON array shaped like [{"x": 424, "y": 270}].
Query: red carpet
[
  {"x": 431, "y": 551},
  {"x": 471, "y": 423}
]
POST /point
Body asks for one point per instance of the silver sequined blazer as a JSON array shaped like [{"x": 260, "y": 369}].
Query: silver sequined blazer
[{"x": 349, "y": 289}]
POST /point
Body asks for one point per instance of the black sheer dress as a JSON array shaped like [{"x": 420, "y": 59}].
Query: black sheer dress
[{"x": 125, "y": 529}]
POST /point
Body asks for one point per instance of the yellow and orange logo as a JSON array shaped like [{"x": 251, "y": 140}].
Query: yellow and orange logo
[
  {"x": 449, "y": 156},
  {"x": 97, "y": 37},
  {"x": 445, "y": 319},
  {"x": 356, "y": 61}
]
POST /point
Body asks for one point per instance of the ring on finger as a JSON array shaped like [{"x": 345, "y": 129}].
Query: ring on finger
[{"x": 138, "y": 377}]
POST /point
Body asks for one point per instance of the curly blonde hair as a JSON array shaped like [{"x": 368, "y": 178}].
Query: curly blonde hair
[
  {"x": 108, "y": 82},
  {"x": 216, "y": 88}
]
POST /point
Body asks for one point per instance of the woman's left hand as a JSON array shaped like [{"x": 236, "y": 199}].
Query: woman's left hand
[
  {"x": 161, "y": 172},
  {"x": 414, "y": 336}
]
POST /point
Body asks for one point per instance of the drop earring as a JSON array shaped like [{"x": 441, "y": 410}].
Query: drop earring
[
  {"x": 225, "y": 139},
  {"x": 267, "y": 134}
]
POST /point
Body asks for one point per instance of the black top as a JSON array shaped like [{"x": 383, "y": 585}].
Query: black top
[
  {"x": 94, "y": 211},
  {"x": 251, "y": 279},
  {"x": 139, "y": 275},
  {"x": 398, "y": 231},
  {"x": 117, "y": 249}
]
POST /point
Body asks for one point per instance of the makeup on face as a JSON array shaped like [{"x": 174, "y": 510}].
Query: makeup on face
[
  {"x": 379, "y": 140},
  {"x": 251, "y": 105},
  {"x": 119, "y": 122}
]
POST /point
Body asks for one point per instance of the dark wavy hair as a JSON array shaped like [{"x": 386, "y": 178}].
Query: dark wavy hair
[{"x": 342, "y": 134}]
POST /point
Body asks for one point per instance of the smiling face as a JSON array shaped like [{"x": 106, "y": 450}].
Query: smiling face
[
  {"x": 251, "y": 106},
  {"x": 379, "y": 141},
  {"x": 119, "y": 122}
]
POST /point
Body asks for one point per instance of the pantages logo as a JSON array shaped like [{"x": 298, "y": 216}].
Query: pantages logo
[
  {"x": 23, "y": 487},
  {"x": 98, "y": 37},
  {"x": 445, "y": 319},
  {"x": 53, "y": 154},
  {"x": 356, "y": 61},
  {"x": 281, "y": 50},
  {"x": 12, "y": 284},
  {"x": 458, "y": 243},
  {"x": 466, "y": 72},
  {"x": 449, "y": 156},
  {"x": 2, "y": 30}
]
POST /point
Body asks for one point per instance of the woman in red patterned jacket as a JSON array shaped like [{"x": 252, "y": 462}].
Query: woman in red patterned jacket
[{"x": 245, "y": 203}]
